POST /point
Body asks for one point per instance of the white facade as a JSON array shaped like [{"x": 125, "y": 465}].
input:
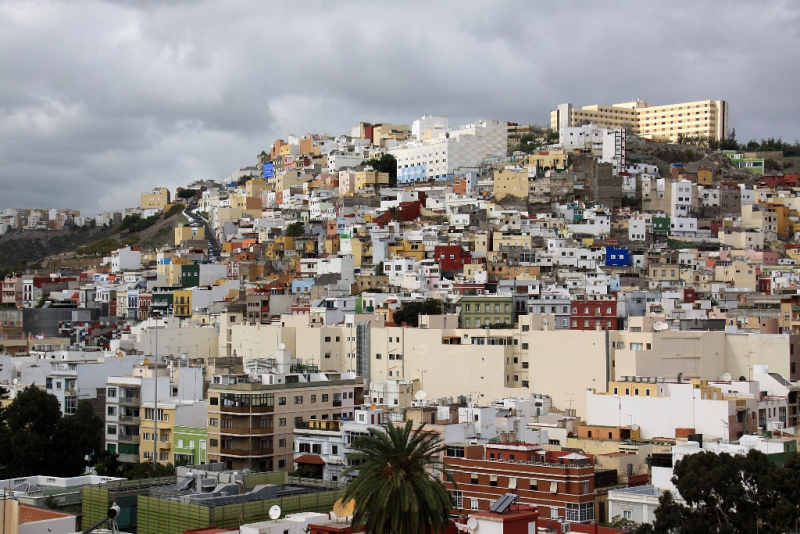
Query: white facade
[
  {"x": 682, "y": 195},
  {"x": 442, "y": 156}
]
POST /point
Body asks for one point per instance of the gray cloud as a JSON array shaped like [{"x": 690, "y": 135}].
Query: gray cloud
[{"x": 102, "y": 100}]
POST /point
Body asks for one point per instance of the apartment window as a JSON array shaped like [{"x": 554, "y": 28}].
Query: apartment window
[
  {"x": 324, "y": 397},
  {"x": 112, "y": 410},
  {"x": 213, "y": 421},
  {"x": 493, "y": 480},
  {"x": 298, "y": 399},
  {"x": 282, "y": 443},
  {"x": 111, "y": 393},
  {"x": 313, "y": 398},
  {"x": 111, "y": 430},
  {"x": 282, "y": 421},
  {"x": 298, "y": 421},
  {"x": 627, "y": 514},
  {"x": 281, "y": 401}
]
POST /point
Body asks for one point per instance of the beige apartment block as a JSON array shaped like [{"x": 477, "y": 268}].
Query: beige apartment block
[
  {"x": 251, "y": 425},
  {"x": 511, "y": 182},
  {"x": 158, "y": 199},
  {"x": 705, "y": 118}
]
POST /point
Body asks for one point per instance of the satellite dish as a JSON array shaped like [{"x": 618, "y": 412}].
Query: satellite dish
[
  {"x": 420, "y": 395},
  {"x": 373, "y": 406},
  {"x": 634, "y": 427},
  {"x": 472, "y": 523},
  {"x": 282, "y": 346},
  {"x": 120, "y": 354},
  {"x": 726, "y": 377},
  {"x": 342, "y": 509},
  {"x": 274, "y": 512},
  {"x": 660, "y": 326}
]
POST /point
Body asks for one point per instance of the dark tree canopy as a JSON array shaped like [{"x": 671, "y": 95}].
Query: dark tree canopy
[
  {"x": 730, "y": 494},
  {"x": 398, "y": 488},
  {"x": 36, "y": 439},
  {"x": 387, "y": 164},
  {"x": 410, "y": 312},
  {"x": 296, "y": 229}
]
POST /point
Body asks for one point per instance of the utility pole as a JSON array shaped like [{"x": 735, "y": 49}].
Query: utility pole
[{"x": 155, "y": 403}]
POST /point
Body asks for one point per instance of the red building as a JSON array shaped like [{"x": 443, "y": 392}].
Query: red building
[
  {"x": 452, "y": 258},
  {"x": 595, "y": 313},
  {"x": 560, "y": 485}
]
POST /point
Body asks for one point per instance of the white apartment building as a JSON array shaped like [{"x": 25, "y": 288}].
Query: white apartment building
[
  {"x": 441, "y": 156},
  {"x": 682, "y": 198}
]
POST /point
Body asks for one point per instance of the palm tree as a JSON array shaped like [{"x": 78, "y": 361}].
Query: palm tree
[{"x": 398, "y": 489}]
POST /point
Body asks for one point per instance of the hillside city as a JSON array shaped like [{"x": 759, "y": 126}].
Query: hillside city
[{"x": 572, "y": 308}]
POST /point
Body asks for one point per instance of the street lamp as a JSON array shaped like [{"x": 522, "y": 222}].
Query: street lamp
[{"x": 155, "y": 398}]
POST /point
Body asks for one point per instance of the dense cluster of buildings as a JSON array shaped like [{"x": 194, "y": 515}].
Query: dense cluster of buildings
[{"x": 581, "y": 291}]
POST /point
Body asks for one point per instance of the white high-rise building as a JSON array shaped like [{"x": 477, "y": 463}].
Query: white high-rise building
[{"x": 441, "y": 152}]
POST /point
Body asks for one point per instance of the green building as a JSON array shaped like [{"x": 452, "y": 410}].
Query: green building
[
  {"x": 661, "y": 225},
  {"x": 479, "y": 311},
  {"x": 189, "y": 445},
  {"x": 190, "y": 275}
]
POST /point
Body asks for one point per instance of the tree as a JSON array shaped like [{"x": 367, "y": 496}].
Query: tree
[
  {"x": 187, "y": 193},
  {"x": 410, "y": 312},
  {"x": 394, "y": 213},
  {"x": 36, "y": 438},
  {"x": 398, "y": 489},
  {"x": 731, "y": 494},
  {"x": 387, "y": 164},
  {"x": 296, "y": 229}
]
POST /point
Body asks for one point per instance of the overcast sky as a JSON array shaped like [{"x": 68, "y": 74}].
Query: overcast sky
[{"x": 102, "y": 100}]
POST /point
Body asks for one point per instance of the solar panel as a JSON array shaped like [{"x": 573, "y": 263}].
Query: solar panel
[{"x": 502, "y": 503}]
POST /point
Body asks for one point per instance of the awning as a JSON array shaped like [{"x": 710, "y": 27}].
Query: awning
[{"x": 311, "y": 459}]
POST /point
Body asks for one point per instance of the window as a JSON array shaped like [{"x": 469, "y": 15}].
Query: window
[
  {"x": 493, "y": 480},
  {"x": 282, "y": 421},
  {"x": 281, "y": 401},
  {"x": 112, "y": 393},
  {"x": 112, "y": 410},
  {"x": 627, "y": 514},
  {"x": 457, "y": 497},
  {"x": 298, "y": 421},
  {"x": 298, "y": 399},
  {"x": 282, "y": 443},
  {"x": 213, "y": 421},
  {"x": 111, "y": 430},
  {"x": 454, "y": 451},
  {"x": 313, "y": 398},
  {"x": 324, "y": 397},
  {"x": 473, "y": 504},
  {"x": 281, "y": 463},
  {"x": 524, "y": 346}
]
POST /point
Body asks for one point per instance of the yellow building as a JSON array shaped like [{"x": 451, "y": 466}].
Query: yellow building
[
  {"x": 511, "y": 181},
  {"x": 165, "y": 428},
  {"x": 547, "y": 160},
  {"x": 189, "y": 233},
  {"x": 254, "y": 188},
  {"x": 173, "y": 270},
  {"x": 158, "y": 199},
  {"x": 371, "y": 179},
  {"x": 182, "y": 303},
  {"x": 407, "y": 249},
  {"x": 705, "y": 176},
  {"x": 705, "y": 118}
]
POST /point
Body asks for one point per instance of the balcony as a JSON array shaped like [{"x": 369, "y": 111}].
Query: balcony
[
  {"x": 130, "y": 401},
  {"x": 247, "y": 409},
  {"x": 129, "y": 420},
  {"x": 245, "y": 431},
  {"x": 128, "y": 438},
  {"x": 244, "y": 452}
]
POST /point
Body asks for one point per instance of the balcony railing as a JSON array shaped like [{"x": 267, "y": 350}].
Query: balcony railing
[
  {"x": 246, "y": 431},
  {"x": 130, "y": 420},
  {"x": 244, "y": 452},
  {"x": 247, "y": 409},
  {"x": 130, "y": 401},
  {"x": 128, "y": 438}
]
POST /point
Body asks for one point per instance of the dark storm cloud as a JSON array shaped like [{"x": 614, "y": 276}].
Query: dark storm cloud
[{"x": 102, "y": 100}]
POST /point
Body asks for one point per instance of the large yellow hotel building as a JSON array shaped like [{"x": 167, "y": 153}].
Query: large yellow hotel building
[{"x": 703, "y": 118}]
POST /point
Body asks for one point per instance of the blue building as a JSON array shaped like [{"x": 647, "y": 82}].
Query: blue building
[{"x": 617, "y": 256}]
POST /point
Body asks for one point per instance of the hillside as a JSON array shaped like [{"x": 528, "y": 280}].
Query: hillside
[{"x": 40, "y": 249}]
